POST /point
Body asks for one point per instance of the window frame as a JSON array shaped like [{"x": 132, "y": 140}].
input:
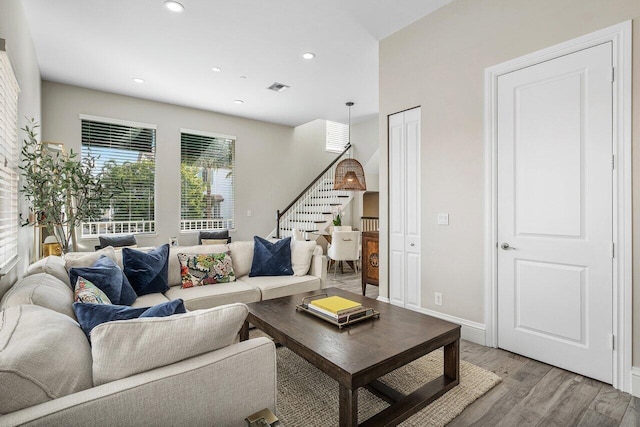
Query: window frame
[
  {"x": 332, "y": 147},
  {"x": 98, "y": 224},
  {"x": 231, "y": 223},
  {"x": 10, "y": 142}
]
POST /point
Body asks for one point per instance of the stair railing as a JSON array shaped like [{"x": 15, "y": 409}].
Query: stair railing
[{"x": 311, "y": 192}]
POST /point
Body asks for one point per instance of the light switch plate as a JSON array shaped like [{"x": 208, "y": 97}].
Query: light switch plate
[
  {"x": 443, "y": 219},
  {"x": 248, "y": 213}
]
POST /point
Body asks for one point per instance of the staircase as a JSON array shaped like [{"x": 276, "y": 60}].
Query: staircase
[{"x": 311, "y": 212}]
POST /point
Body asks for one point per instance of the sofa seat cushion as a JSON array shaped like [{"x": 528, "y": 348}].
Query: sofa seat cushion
[
  {"x": 43, "y": 290},
  {"x": 212, "y": 296},
  {"x": 161, "y": 341},
  {"x": 280, "y": 286},
  {"x": 149, "y": 300},
  {"x": 53, "y": 265},
  {"x": 44, "y": 355}
]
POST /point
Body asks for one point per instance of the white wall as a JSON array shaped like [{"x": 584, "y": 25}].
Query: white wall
[
  {"x": 438, "y": 63},
  {"x": 273, "y": 162},
  {"x": 14, "y": 29}
]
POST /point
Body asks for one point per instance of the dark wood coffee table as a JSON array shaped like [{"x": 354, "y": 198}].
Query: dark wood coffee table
[{"x": 357, "y": 355}]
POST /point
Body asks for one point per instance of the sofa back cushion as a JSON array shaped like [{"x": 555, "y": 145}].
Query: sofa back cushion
[
  {"x": 127, "y": 347},
  {"x": 241, "y": 257},
  {"x": 43, "y": 290},
  {"x": 44, "y": 355},
  {"x": 53, "y": 265},
  {"x": 175, "y": 278}
]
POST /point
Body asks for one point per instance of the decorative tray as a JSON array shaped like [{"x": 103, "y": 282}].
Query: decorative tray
[{"x": 349, "y": 319}]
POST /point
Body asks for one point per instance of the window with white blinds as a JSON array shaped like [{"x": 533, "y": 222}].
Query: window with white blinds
[
  {"x": 126, "y": 159},
  {"x": 337, "y": 136},
  {"x": 8, "y": 161},
  {"x": 207, "y": 175}
]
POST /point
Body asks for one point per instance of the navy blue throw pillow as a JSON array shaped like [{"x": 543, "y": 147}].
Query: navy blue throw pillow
[
  {"x": 107, "y": 276},
  {"x": 91, "y": 315},
  {"x": 148, "y": 272},
  {"x": 165, "y": 309},
  {"x": 271, "y": 259}
]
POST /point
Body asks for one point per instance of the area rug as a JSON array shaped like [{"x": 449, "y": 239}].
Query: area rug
[{"x": 307, "y": 397}]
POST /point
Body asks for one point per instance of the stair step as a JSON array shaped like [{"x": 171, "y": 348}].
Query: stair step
[
  {"x": 304, "y": 231},
  {"x": 314, "y": 213},
  {"x": 322, "y": 204},
  {"x": 339, "y": 195}
]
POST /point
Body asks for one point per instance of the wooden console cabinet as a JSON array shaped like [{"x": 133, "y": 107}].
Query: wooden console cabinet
[{"x": 370, "y": 258}]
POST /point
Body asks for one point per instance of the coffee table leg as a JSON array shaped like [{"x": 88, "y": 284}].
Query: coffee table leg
[
  {"x": 244, "y": 331},
  {"x": 452, "y": 360},
  {"x": 348, "y": 407}
]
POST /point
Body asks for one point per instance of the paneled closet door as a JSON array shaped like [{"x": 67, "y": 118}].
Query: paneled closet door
[{"x": 404, "y": 208}]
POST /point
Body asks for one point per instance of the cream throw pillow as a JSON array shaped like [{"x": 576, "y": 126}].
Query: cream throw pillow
[
  {"x": 124, "y": 348},
  {"x": 242, "y": 257},
  {"x": 301, "y": 253},
  {"x": 86, "y": 259},
  {"x": 45, "y": 355},
  {"x": 214, "y": 241}
]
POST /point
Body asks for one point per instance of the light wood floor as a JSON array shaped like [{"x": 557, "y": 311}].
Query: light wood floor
[{"x": 531, "y": 393}]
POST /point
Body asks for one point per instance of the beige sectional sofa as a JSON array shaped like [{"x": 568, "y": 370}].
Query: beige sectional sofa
[{"x": 186, "y": 369}]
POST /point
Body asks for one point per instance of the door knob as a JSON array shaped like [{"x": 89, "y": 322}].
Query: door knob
[
  {"x": 413, "y": 244},
  {"x": 506, "y": 246}
]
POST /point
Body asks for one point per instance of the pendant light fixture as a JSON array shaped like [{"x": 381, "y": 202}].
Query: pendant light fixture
[{"x": 349, "y": 172}]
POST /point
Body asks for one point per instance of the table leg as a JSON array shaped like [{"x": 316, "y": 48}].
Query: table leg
[
  {"x": 348, "y": 407},
  {"x": 452, "y": 360},
  {"x": 244, "y": 331}
]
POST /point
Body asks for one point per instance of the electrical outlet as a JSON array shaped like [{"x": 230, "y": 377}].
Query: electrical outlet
[
  {"x": 438, "y": 298},
  {"x": 443, "y": 219}
]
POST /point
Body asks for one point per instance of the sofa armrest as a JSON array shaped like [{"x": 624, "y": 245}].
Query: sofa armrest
[
  {"x": 319, "y": 269},
  {"x": 221, "y": 387}
]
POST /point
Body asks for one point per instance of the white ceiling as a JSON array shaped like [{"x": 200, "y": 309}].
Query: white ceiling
[{"x": 105, "y": 44}]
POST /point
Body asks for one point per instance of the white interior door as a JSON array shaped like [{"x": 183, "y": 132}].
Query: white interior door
[
  {"x": 404, "y": 208},
  {"x": 555, "y": 267}
]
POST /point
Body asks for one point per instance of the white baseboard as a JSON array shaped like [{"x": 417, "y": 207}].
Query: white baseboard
[
  {"x": 471, "y": 331},
  {"x": 635, "y": 381}
]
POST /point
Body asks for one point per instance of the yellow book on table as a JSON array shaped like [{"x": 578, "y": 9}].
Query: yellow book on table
[{"x": 335, "y": 304}]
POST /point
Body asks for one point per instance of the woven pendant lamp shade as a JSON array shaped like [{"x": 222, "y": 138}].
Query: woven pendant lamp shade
[{"x": 349, "y": 176}]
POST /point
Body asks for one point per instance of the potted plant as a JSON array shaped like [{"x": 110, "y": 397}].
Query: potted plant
[
  {"x": 64, "y": 191},
  {"x": 337, "y": 218}
]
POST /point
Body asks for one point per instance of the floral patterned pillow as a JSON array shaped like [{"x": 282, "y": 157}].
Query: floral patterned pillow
[
  {"x": 206, "y": 269},
  {"x": 85, "y": 291}
]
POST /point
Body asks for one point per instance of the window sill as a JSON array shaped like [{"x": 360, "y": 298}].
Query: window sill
[{"x": 10, "y": 266}]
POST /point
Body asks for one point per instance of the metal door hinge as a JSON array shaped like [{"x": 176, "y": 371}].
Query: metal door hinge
[
  {"x": 613, "y": 74},
  {"x": 613, "y": 161},
  {"x": 613, "y": 250},
  {"x": 612, "y": 342}
]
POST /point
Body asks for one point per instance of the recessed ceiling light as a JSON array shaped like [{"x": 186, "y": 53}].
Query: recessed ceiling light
[
  {"x": 174, "y": 6},
  {"x": 243, "y": 77},
  {"x": 308, "y": 55},
  {"x": 239, "y": 101},
  {"x": 216, "y": 69},
  {"x": 138, "y": 80}
]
